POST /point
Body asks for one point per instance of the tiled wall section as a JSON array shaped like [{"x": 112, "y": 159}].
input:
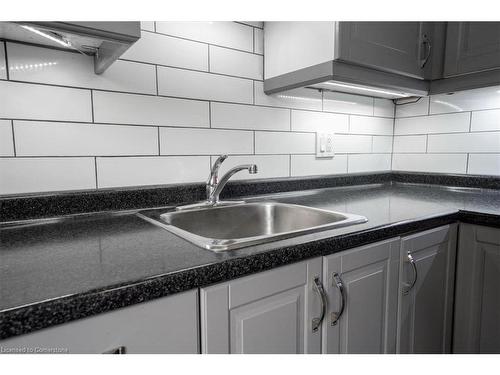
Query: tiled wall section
[
  {"x": 184, "y": 93},
  {"x": 458, "y": 133}
]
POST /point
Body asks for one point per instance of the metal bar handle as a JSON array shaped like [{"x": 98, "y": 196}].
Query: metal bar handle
[
  {"x": 426, "y": 42},
  {"x": 318, "y": 287},
  {"x": 337, "y": 281},
  {"x": 117, "y": 350},
  {"x": 415, "y": 273}
]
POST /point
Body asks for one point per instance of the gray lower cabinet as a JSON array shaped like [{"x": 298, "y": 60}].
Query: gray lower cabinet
[
  {"x": 274, "y": 311},
  {"x": 362, "y": 289},
  {"x": 471, "y": 47},
  {"x": 477, "y": 296},
  {"x": 427, "y": 272},
  {"x": 164, "y": 325}
]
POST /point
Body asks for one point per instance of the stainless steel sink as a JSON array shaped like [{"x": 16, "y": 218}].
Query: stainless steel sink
[{"x": 239, "y": 225}]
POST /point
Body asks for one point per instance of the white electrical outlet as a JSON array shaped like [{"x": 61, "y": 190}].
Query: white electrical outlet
[{"x": 324, "y": 145}]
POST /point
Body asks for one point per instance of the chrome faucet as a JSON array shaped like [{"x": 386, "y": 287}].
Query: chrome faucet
[{"x": 214, "y": 186}]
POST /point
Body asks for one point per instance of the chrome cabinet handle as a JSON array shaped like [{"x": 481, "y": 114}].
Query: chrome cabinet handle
[
  {"x": 318, "y": 287},
  {"x": 118, "y": 350},
  {"x": 337, "y": 281},
  {"x": 415, "y": 274},
  {"x": 426, "y": 42}
]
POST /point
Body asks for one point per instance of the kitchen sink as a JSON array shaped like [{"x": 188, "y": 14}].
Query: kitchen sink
[{"x": 235, "y": 226}]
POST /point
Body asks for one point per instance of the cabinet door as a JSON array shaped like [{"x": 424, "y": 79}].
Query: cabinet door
[
  {"x": 427, "y": 271},
  {"x": 369, "y": 278},
  {"x": 398, "y": 47},
  {"x": 477, "y": 296},
  {"x": 269, "y": 312},
  {"x": 472, "y": 47},
  {"x": 167, "y": 325}
]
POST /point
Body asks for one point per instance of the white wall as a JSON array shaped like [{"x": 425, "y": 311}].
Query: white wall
[
  {"x": 184, "y": 93},
  {"x": 458, "y": 133}
]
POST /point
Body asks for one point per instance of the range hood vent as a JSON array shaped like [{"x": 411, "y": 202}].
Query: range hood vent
[{"x": 106, "y": 41}]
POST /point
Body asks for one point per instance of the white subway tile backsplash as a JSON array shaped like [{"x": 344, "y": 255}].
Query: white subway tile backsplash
[
  {"x": 352, "y": 144},
  {"x": 410, "y": 144},
  {"x": 165, "y": 50},
  {"x": 410, "y": 109},
  {"x": 368, "y": 163},
  {"x": 470, "y": 100},
  {"x": 148, "y": 25},
  {"x": 309, "y": 165},
  {"x": 371, "y": 125},
  {"x": 485, "y": 164},
  {"x": 449, "y": 123},
  {"x": 207, "y": 86},
  {"x": 438, "y": 163},
  {"x": 39, "y": 102},
  {"x": 136, "y": 171},
  {"x": 485, "y": 120},
  {"x": 383, "y": 107},
  {"x": 226, "y": 34},
  {"x": 3, "y": 65},
  {"x": 44, "y": 65},
  {"x": 284, "y": 143},
  {"x": 6, "y": 139},
  {"x": 382, "y": 144},
  {"x": 297, "y": 98},
  {"x": 240, "y": 116},
  {"x": 347, "y": 103},
  {"x": 27, "y": 175},
  {"x": 236, "y": 63},
  {"x": 69, "y": 139},
  {"x": 119, "y": 108},
  {"x": 178, "y": 141},
  {"x": 268, "y": 166},
  {"x": 259, "y": 41},
  {"x": 465, "y": 142},
  {"x": 308, "y": 121}
]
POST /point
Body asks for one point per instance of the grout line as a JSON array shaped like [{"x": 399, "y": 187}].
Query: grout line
[
  {"x": 95, "y": 169},
  {"x": 253, "y": 92},
  {"x": 253, "y": 39},
  {"x": 210, "y": 115},
  {"x": 290, "y": 165},
  {"x": 254, "y": 142},
  {"x": 13, "y": 138},
  {"x": 6, "y": 61},
  {"x": 156, "y": 80},
  {"x": 159, "y": 148},
  {"x": 470, "y": 121},
  {"x": 290, "y": 120},
  {"x": 208, "y": 59},
  {"x": 92, "y": 105},
  {"x": 426, "y": 143},
  {"x": 467, "y": 164}
]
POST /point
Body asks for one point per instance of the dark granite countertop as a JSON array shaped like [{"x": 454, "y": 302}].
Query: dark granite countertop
[{"x": 54, "y": 271}]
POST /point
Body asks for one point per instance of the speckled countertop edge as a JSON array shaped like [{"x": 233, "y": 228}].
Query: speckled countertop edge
[{"x": 25, "y": 319}]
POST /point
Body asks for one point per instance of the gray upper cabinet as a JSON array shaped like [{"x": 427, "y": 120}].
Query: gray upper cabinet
[
  {"x": 477, "y": 296},
  {"x": 276, "y": 311},
  {"x": 167, "y": 325},
  {"x": 362, "y": 289},
  {"x": 472, "y": 47},
  {"x": 427, "y": 272},
  {"x": 398, "y": 47}
]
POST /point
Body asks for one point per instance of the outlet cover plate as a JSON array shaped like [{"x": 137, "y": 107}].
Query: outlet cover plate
[{"x": 324, "y": 145}]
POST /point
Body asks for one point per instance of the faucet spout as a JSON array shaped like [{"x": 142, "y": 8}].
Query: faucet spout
[{"x": 214, "y": 196}]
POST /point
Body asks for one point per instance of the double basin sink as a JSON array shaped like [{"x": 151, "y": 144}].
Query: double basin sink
[{"x": 230, "y": 227}]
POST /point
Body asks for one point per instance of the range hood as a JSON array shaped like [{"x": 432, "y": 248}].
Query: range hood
[{"x": 106, "y": 41}]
